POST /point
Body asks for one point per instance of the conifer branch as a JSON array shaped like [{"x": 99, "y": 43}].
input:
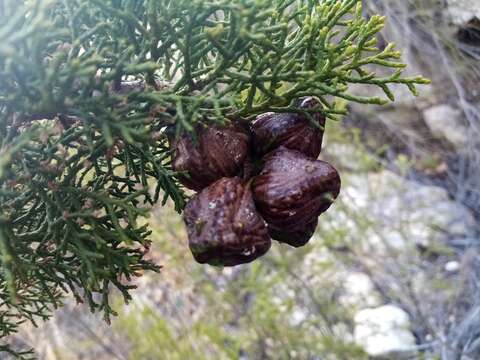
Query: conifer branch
[{"x": 87, "y": 90}]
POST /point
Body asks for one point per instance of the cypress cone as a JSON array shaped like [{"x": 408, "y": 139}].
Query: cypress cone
[
  {"x": 292, "y": 130},
  {"x": 291, "y": 192},
  {"x": 215, "y": 153},
  {"x": 224, "y": 228}
]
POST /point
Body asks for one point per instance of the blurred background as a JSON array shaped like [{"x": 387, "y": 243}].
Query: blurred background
[{"x": 393, "y": 271}]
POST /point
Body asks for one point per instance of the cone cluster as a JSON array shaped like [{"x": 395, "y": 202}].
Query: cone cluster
[{"x": 254, "y": 184}]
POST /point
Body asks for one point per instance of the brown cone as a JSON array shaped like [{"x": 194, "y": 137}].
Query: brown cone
[
  {"x": 294, "y": 131},
  {"x": 292, "y": 191},
  {"x": 224, "y": 228},
  {"x": 217, "y": 152}
]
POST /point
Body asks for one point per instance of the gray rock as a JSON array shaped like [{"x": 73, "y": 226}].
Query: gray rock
[
  {"x": 446, "y": 122},
  {"x": 359, "y": 291},
  {"x": 393, "y": 213},
  {"x": 462, "y": 11},
  {"x": 452, "y": 266},
  {"x": 384, "y": 330}
]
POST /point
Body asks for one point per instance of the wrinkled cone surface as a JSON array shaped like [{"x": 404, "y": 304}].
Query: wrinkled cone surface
[
  {"x": 292, "y": 191},
  {"x": 294, "y": 131},
  {"x": 217, "y": 152},
  {"x": 224, "y": 227}
]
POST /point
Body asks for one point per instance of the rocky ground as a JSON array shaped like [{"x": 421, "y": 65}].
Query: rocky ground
[{"x": 393, "y": 270}]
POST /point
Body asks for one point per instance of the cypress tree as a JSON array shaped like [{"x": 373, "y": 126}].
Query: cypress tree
[{"x": 87, "y": 91}]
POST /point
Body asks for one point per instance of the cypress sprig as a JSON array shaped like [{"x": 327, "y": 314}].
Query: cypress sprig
[{"x": 87, "y": 89}]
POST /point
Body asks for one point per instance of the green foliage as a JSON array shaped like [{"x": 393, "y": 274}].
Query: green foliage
[{"x": 87, "y": 89}]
